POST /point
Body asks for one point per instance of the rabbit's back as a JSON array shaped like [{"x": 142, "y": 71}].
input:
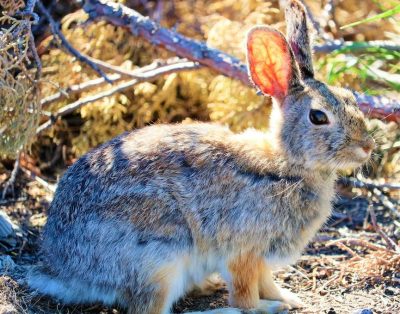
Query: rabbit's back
[
  {"x": 148, "y": 164},
  {"x": 121, "y": 204}
]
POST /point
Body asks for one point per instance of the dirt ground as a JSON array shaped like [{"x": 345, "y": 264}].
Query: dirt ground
[{"x": 346, "y": 269}]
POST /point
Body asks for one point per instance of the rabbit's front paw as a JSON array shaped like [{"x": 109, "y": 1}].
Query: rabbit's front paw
[
  {"x": 292, "y": 299},
  {"x": 270, "y": 307}
]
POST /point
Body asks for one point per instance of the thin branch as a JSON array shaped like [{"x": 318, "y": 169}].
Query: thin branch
[
  {"x": 356, "y": 46},
  {"x": 357, "y": 242},
  {"x": 28, "y": 13},
  {"x": 145, "y": 76},
  {"x": 137, "y": 73},
  {"x": 56, "y": 31},
  {"x": 391, "y": 245},
  {"x": 120, "y": 15},
  {"x": 108, "y": 67},
  {"x": 33, "y": 176},
  {"x": 36, "y": 58},
  {"x": 366, "y": 185},
  {"x": 11, "y": 181},
  {"x": 77, "y": 88},
  {"x": 81, "y": 102}
]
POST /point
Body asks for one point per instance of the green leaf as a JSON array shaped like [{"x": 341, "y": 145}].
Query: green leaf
[{"x": 382, "y": 15}]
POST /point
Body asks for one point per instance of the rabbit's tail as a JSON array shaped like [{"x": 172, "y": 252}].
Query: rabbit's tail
[{"x": 68, "y": 291}]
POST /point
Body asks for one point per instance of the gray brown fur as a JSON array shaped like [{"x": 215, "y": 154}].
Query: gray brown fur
[{"x": 144, "y": 218}]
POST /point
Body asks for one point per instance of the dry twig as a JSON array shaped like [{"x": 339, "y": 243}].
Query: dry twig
[
  {"x": 120, "y": 74},
  {"x": 144, "y": 76},
  {"x": 389, "y": 242},
  {"x": 11, "y": 181},
  {"x": 367, "y": 185},
  {"x": 33, "y": 176},
  {"x": 355, "y": 46}
]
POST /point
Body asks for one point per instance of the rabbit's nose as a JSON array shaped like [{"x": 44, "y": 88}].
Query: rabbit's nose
[{"x": 368, "y": 145}]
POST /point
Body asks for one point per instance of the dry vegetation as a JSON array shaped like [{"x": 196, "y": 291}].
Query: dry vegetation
[{"x": 353, "y": 262}]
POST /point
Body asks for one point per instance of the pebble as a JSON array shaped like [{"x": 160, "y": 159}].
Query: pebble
[{"x": 363, "y": 311}]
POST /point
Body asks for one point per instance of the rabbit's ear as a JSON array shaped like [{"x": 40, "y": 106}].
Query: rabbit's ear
[
  {"x": 270, "y": 60},
  {"x": 298, "y": 37}
]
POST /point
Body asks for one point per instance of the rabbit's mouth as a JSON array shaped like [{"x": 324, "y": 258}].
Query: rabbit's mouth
[
  {"x": 353, "y": 157},
  {"x": 362, "y": 154}
]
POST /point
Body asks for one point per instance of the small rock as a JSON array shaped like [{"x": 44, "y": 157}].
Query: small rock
[
  {"x": 363, "y": 311},
  {"x": 388, "y": 291}
]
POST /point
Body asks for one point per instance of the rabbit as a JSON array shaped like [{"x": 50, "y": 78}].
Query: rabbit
[{"x": 144, "y": 218}]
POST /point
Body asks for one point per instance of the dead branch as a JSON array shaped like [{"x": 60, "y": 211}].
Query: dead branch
[
  {"x": 355, "y": 46},
  {"x": 367, "y": 185},
  {"x": 33, "y": 176},
  {"x": 357, "y": 242},
  {"x": 77, "y": 88},
  {"x": 137, "y": 73},
  {"x": 57, "y": 33},
  {"x": 145, "y": 76},
  {"x": 389, "y": 242},
  {"x": 11, "y": 181},
  {"x": 139, "y": 25}
]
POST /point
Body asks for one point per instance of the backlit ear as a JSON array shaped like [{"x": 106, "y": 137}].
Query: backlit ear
[{"x": 270, "y": 61}]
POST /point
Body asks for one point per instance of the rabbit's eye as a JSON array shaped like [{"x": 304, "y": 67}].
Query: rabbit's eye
[{"x": 318, "y": 117}]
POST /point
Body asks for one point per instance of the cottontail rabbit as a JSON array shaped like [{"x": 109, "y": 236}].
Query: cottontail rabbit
[{"x": 143, "y": 218}]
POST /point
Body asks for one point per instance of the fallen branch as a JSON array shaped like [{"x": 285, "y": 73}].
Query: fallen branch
[
  {"x": 366, "y": 185},
  {"x": 391, "y": 245},
  {"x": 11, "y": 181},
  {"x": 139, "y": 25},
  {"x": 77, "y": 88},
  {"x": 120, "y": 73},
  {"x": 145, "y": 76},
  {"x": 355, "y": 46},
  {"x": 50, "y": 187},
  {"x": 356, "y": 242}
]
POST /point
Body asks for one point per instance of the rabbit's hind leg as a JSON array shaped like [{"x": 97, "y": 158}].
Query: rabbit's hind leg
[
  {"x": 270, "y": 291},
  {"x": 164, "y": 287}
]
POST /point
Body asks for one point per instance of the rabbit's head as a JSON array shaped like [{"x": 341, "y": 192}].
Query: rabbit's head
[{"x": 318, "y": 126}]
